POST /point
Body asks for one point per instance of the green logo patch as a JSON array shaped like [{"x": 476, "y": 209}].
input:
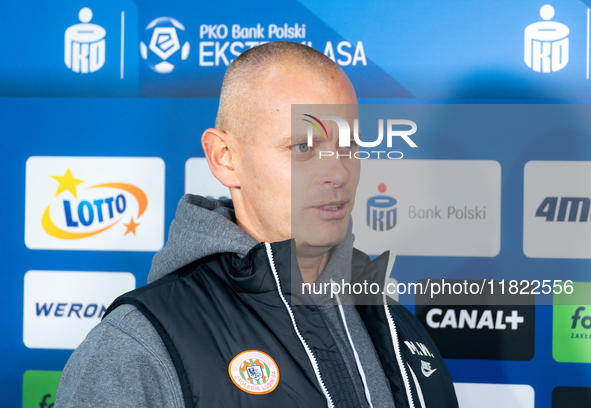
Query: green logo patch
[
  {"x": 39, "y": 388},
  {"x": 571, "y": 328}
]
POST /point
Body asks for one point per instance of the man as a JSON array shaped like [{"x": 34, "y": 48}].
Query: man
[{"x": 217, "y": 326}]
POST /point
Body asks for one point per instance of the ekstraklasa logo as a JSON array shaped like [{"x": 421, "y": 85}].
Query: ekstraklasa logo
[
  {"x": 94, "y": 203},
  {"x": 163, "y": 45}
]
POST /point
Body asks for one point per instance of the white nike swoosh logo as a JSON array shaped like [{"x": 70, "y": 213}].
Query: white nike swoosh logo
[{"x": 426, "y": 372}]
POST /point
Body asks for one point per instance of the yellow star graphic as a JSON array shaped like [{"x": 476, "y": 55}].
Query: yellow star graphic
[
  {"x": 67, "y": 182},
  {"x": 131, "y": 227}
]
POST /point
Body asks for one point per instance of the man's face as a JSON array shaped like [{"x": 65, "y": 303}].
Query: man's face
[{"x": 286, "y": 190}]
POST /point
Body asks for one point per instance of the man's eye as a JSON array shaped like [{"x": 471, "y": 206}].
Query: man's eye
[
  {"x": 301, "y": 148},
  {"x": 354, "y": 145}
]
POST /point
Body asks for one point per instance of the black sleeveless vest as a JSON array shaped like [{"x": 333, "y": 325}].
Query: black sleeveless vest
[{"x": 210, "y": 312}]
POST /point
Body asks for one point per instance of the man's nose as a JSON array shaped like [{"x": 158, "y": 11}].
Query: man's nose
[{"x": 336, "y": 173}]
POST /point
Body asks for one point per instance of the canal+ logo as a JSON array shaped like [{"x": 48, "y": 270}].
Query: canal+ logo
[
  {"x": 102, "y": 212},
  {"x": 94, "y": 203}
]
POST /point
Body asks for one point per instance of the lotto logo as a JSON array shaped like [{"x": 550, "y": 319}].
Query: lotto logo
[{"x": 94, "y": 203}]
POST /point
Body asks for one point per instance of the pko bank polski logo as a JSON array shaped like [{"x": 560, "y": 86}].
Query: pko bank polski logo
[
  {"x": 84, "y": 50},
  {"x": 414, "y": 206},
  {"x": 381, "y": 211},
  {"x": 557, "y": 209},
  {"x": 546, "y": 43},
  {"x": 94, "y": 203},
  {"x": 163, "y": 44},
  {"x": 60, "y": 308},
  {"x": 345, "y": 134}
]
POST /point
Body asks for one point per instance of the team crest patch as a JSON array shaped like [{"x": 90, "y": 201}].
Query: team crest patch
[{"x": 254, "y": 372}]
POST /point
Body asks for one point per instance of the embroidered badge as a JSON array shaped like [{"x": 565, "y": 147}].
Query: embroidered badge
[{"x": 254, "y": 372}]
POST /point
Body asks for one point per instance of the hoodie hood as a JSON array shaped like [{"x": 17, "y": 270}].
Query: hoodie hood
[
  {"x": 206, "y": 226},
  {"x": 201, "y": 227}
]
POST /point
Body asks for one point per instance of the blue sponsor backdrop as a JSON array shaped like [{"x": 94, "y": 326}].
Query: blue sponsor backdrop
[{"x": 394, "y": 52}]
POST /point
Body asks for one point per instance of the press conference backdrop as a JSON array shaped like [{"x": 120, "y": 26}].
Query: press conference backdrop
[{"x": 103, "y": 104}]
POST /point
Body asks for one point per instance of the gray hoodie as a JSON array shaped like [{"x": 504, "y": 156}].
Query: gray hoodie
[{"x": 123, "y": 361}]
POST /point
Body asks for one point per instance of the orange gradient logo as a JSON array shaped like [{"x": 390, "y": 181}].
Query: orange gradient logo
[{"x": 100, "y": 207}]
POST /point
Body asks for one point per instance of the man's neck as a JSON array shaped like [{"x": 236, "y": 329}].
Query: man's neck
[{"x": 312, "y": 266}]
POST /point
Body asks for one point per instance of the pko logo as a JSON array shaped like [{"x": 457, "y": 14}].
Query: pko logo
[
  {"x": 85, "y": 45},
  {"x": 164, "y": 43},
  {"x": 94, "y": 203},
  {"x": 381, "y": 211},
  {"x": 345, "y": 136},
  {"x": 547, "y": 209},
  {"x": 546, "y": 43}
]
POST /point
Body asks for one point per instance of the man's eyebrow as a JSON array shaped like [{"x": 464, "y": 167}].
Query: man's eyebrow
[
  {"x": 296, "y": 138},
  {"x": 300, "y": 138}
]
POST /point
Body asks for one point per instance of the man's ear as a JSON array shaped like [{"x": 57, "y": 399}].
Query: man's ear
[{"x": 221, "y": 156}]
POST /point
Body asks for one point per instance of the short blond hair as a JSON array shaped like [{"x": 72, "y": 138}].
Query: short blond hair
[{"x": 241, "y": 80}]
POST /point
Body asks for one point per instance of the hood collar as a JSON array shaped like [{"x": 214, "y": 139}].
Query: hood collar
[
  {"x": 205, "y": 226},
  {"x": 201, "y": 227}
]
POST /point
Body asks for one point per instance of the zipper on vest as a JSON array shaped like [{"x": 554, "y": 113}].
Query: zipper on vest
[
  {"x": 394, "y": 333},
  {"x": 419, "y": 391},
  {"x": 357, "y": 361},
  {"x": 311, "y": 356}
]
